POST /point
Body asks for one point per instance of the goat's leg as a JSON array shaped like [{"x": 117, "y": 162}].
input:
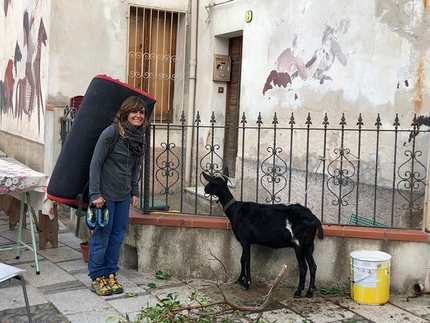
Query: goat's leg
[
  {"x": 302, "y": 270},
  {"x": 242, "y": 278},
  {"x": 245, "y": 261},
  {"x": 312, "y": 271}
]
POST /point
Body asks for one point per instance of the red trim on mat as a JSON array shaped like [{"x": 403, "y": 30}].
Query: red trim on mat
[
  {"x": 66, "y": 201},
  {"x": 105, "y": 77}
]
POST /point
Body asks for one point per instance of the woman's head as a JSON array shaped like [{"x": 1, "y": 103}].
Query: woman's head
[{"x": 133, "y": 110}]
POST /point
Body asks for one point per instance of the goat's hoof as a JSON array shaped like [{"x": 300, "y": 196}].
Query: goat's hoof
[
  {"x": 309, "y": 294},
  {"x": 297, "y": 294},
  {"x": 245, "y": 286}
]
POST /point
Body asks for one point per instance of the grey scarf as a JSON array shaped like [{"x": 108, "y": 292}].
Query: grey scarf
[{"x": 135, "y": 138}]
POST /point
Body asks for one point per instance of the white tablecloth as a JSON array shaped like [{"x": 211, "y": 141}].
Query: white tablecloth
[{"x": 16, "y": 178}]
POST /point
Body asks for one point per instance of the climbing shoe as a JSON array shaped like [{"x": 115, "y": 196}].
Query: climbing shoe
[
  {"x": 114, "y": 285},
  {"x": 101, "y": 286},
  {"x": 91, "y": 217},
  {"x": 103, "y": 216}
]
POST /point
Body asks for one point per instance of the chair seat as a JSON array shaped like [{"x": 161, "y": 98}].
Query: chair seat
[{"x": 8, "y": 272}]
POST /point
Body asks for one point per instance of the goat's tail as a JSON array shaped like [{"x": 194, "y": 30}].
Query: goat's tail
[{"x": 320, "y": 230}]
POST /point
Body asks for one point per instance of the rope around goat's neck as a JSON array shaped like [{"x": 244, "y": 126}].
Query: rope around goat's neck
[{"x": 228, "y": 205}]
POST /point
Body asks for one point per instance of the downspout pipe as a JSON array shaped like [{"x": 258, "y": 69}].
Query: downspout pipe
[
  {"x": 426, "y": 208},
  {"x": 192, "y": 89},
  {"x": 425, "y": 287}
]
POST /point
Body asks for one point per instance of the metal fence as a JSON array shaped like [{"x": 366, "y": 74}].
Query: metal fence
[
  {"x": 362, "y": 175},
  {"x": 69, "y": 115}
]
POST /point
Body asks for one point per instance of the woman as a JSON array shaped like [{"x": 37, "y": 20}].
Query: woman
[{"x": 114, "y": 181}]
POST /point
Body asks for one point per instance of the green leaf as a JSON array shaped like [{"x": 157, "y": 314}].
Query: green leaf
[
  {"x": 163, "y": 274},
  {"x": 152, "y": 285}
]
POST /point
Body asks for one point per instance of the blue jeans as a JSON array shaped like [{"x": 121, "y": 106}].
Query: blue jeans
[{"x": 106, "y": 242}]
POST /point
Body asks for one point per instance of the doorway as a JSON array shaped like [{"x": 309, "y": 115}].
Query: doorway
[{"x": 232, "y": 113}]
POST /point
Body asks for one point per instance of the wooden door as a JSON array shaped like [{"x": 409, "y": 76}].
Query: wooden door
[{"x": 233, "y": 105}]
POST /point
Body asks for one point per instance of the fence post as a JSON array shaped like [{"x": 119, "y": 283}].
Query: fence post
[
  {"x": 426, "y": 208},
  {"x": 146, "y": 169}
]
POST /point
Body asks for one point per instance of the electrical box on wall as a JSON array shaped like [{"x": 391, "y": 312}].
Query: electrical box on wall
[{"x": 222, "y": 68}]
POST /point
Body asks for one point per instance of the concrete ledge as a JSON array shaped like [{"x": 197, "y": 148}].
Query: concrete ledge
[
  {"x": 217, "y": 222},
  {"x": 188, "y": 245}
]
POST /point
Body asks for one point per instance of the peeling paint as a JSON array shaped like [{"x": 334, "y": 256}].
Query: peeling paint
[
  {"x": 419, "y": 88},
  {"x": 290, "y": 65}
]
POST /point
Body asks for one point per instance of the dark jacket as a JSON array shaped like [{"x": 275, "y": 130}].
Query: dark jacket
[{"x": 115, "y": 179}]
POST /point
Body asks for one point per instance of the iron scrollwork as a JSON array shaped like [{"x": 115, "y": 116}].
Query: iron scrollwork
[
  {"x": 167, "y": 162},
  {"x": 341, "y": 176},
  {"x": 274, "y": 170}
]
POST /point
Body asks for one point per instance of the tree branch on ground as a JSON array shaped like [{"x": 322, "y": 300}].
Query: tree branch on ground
[{"x": 170, "y": 309}]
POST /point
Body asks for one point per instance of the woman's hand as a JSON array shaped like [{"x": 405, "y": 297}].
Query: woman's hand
[
  {"x": 99, "y": 202},
  {"x": 134, "y": 201}
]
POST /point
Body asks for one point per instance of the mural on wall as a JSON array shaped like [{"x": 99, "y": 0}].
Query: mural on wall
[
  {"x": 6, "y": 6},
  {"x": 21, "y": 97},
  {"x": 290, "y": 65}
]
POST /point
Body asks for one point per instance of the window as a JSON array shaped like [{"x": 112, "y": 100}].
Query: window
[{"x": 156, "y": 57}]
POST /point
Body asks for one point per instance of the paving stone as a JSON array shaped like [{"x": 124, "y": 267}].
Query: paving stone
[
  {"x": 39, "y": 313},
  {"x": 61, "y": 293},
  {"x": 78, "y": 301},
  {"x": 60, "y": 254}
]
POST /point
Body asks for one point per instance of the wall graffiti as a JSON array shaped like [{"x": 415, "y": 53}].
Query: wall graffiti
[
  {"x": 7, "y": 3},
  {"x": 21, "y": 86},
  {"x": 290, "y": 65}
]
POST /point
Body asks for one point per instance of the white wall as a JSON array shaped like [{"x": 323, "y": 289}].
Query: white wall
[
  {"x": 90, "y": 38},
  {"x": 376, "y": 45},
  {"x": 373, "y": 56}
]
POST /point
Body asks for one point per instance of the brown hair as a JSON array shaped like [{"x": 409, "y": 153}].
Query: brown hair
[{"x": 131, "y": 104}]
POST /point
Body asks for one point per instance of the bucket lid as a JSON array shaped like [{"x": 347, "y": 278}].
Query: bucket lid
[{"x": 370, "y": 255}]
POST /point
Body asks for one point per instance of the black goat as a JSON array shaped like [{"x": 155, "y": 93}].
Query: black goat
[{"x": 271, "y": 225}]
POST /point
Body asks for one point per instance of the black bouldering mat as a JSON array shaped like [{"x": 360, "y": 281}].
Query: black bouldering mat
[{"x": 97, "y": 111}]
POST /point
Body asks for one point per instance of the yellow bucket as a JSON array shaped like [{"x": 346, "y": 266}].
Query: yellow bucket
[{"x": 370, "y": 277}]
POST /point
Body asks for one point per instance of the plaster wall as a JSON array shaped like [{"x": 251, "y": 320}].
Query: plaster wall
[
  {"x": 187, "y": 253},
  {"x": 28, "y": 152},
  {"x": 24, "y": 26},
  {"x": 91, "y": 38},
  {"x": 53, "y": 137},
  {"x": 317, "y": 57}
]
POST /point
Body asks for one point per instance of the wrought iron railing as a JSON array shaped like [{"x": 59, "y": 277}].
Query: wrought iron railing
[
  {"x": 66, "y": 120},
  {"x": 365, "y": 176},
  {"x": 362, "y": 175}
]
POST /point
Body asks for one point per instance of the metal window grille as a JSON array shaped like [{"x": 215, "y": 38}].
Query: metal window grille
[{"x": 156, "y": 57}]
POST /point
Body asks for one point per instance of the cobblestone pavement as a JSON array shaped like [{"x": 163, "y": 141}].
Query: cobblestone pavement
[
  {"x": 61, "y": 293},
  {"x": 40, "y": 313}
]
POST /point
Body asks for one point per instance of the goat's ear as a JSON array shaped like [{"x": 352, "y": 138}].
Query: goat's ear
[
  {"x": 206, "y": 176},
  {"x": 225, "y": 172}
]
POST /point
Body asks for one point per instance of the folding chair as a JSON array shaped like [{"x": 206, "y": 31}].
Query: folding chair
[{"x": 6, "y": 273}]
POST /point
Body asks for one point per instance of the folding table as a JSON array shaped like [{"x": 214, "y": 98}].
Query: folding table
[{"x": 29, "y": 186}]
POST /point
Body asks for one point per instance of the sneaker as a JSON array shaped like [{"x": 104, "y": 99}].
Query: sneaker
[
  {"x": 101, "y": 286},
  {"x": 91, "y": 218},
  {"x": 103, "y": 216},
  {"x": 114, "y": 285}
]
